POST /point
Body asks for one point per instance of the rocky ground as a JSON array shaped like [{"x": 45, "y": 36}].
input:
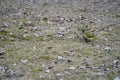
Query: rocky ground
[{"x": 44, "y": 40}]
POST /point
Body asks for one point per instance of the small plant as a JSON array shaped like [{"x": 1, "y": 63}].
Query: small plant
[
  {"x": 45, "y": 19},
  {"x": 49, "y": 35},
  {"x": 118, "y": 16},
  {"x": 4, "y": 32},
  {"x": 46, "y": 57},
  {"x": 38, "y": 69}
]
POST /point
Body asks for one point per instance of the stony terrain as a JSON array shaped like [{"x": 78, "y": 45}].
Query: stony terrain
[{"x": 44, "y": 40}]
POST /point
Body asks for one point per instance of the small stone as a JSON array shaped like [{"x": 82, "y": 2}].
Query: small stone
[
  {"x": 14, "y": 64},
  {"x": 42, "y": 76},
  {"x": 25, "y": 31},
  {"x": 62, "y": 28},
  {"x": 43, "y": 65},
  {"x": 10, "y": 73},
  {"x": 36, "y": 34},
  {"x": 82, "y": 67},
  {"x": 115, "y": 61},
  {"x": 21, "y": 24},
  {"x": 2, "y": 70},
  {"x": 88, "y": 79},
  {"x": 6, "y": 24},
  {"x": 34, "y": 48},
  {"x": 101, "y": 73},
  {"x": 29, "y": 23},
  {"x": 71, "y": 68},
  {"x": 61, "y": 79},
  {"x": 2, "y": 52},
  {"x": 60, "y": 58},
  {"x": 24, "y": 61},
  {"x": 47, "y": 71},
  {"x": 59, "y": 74},
  {"x": 106, "y": 39},
  {"x": 67, "y": 73},
  {"x": 25, "y": 35},
  {"x": 35, "y": 27},
  {"x": 108, "y": 49},
  {"x": 117, "y": 78}
]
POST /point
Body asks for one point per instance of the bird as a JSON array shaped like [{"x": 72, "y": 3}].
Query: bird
[{"x": 87, "y": 36}]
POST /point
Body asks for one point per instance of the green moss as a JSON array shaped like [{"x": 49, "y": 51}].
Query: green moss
[
  {"x": 41, "y": 38},
  {"x": 29, "y": 37},
  {"x": 4, "y": 32},
  {"x": 36, "y": 69},
  {"x": 46, "y": 57},
  {"x": 13, "y": 36},
  {"x": 71, "y": 78},
  {"x": 10, "y": 49},
  {"x": 4, "y": 0},
  {"x": 49, "y": 35}
]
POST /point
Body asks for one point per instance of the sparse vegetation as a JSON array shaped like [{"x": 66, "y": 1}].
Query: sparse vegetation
[{"x": 83, "y": 34}]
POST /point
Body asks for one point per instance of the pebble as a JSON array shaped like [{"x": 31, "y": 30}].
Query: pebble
[
  {"x": 67, "y": 73},
  {"x": 10, "y": 72},
  {"x": 14, "y": 64},
  {"x": 115, "y": 61},
  {"x": 108, "y": 49},
  {"x": 60, "y": 58},
  {"x": 42, "y": 76},
  {"x": 28, "y": 23},
  {"x": 43, "y": 65},
  {"x": 88, "y": 79},
  {"x": 24, "y": 61},
  {"x": 62, "y": 28},
  {"x": 2, "y": 52},
  {"x": 117, "y": 78},
  {"x": 25, "y": 35},
  {"x": 71, "y": 68},
  {"x": 34, "y": 48},
  {"x": 36, "y": 34},
  {"x": 6, "y": 24},
  {"x": 35, "y": 27},
  {"x": 47, "y": 71},
  {"x": 59, "y": 74}
]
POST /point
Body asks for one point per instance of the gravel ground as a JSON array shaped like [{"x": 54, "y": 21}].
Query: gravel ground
[{"x": 59, "y": 40}]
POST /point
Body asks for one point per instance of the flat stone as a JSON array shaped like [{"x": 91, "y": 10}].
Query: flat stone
[
  {"x": 71, "y": 68},
  {"x": 117, "y": 78},
  {"x": 59, "y": 74},
  {"x": 67, "y": 73},
  {"x": 60, "y": 58},
  {"x": 47, "y": 71},
  {"x": 24, "y": 61}
]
